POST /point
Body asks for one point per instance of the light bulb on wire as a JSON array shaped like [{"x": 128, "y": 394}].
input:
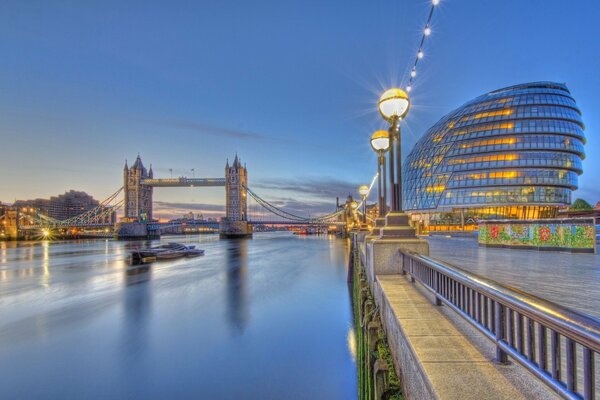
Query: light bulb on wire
[
  {"x": 427, "y": 31},
  {"x": 420, "y": 54}
]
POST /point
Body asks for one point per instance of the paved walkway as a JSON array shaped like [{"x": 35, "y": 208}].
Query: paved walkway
[
  {"x": 572, "y": 280},
  {"x": 442, "y": 356}
]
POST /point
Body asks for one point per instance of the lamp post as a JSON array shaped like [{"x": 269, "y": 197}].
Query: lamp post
[
  {"x": 380, "y": 142},
  {"x": 363, "y": 190},
  {"x": 393, "y": 107},
  {"x": 354, "y": 206}
]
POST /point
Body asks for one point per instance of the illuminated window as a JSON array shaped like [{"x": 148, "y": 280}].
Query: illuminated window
[
  {"x": 495, "y": 157},
  {"x": 487, "y": 127},
  {"x": 489, "y": 142},
  {"x": 437, "y": 188},
  {"x": 486, "y": 114}
]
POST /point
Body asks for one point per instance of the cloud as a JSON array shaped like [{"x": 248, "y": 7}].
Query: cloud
[
  {"x": 217, "y": 131},
  {"x": 302, "y": 197},
  {"x": 321, "y": 188},
  {"x": 207, "y": 129},
  {"x": 304, "y": 208}
]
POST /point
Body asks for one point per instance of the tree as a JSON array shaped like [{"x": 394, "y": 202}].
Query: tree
[{"x": 581, "y": 205}]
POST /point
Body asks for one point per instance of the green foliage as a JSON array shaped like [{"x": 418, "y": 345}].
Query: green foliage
[
  {"x": 365, "y": 382},
  {"x": 581, "y": 205}
]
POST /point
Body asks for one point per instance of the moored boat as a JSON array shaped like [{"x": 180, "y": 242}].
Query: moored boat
[{"x": 168, "y": 251}]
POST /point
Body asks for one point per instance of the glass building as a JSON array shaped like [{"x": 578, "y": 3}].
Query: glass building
[{"x": 511, "y": 153}]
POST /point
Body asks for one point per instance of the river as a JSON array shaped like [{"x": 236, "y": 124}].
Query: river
[{"x": 267, "y": 318}]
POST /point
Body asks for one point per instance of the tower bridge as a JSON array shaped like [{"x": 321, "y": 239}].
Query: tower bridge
[{"x": 137, "y": 202}]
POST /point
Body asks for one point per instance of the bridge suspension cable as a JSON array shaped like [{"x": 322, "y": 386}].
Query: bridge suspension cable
[
  {"x": 297, "y": 218},
  {"x": 96, "y": 216},
  {"x": 98, "y": 213},
  {"x": 273, "y": 209}
]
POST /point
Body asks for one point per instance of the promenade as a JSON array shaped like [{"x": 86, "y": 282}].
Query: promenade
[{"x": 571, "y": 280}]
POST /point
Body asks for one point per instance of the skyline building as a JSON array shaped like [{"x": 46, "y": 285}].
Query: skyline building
[
  {"x": 513, "y": 153},
  {"x": 67, "y": 205}
]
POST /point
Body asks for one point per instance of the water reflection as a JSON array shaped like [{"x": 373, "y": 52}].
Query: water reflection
[
  {"x": 237, "y": 281},
  {"x": 250, "y": 319},
  {"x": 137, "y": 308},
  {"x": 45, "y": 264}
]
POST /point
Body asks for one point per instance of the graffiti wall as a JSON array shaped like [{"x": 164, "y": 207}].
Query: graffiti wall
[{"x": 571, "y": 234}]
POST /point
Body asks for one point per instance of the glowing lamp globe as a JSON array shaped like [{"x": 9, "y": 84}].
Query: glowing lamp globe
[
  {"x": 394, "y": 104},
  {"x": 354, "y": 205},
  {"x": 380, "y": 141},
  {"x": 363, "y": 190}
]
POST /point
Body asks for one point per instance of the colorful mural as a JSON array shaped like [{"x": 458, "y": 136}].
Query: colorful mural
[{"x": 567, "y": 234}]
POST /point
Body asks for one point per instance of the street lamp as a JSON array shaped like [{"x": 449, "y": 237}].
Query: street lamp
[
  {"x": 354, "y": 207},
  {"x": 363, "y": 190},
  {"x": 380, "y": 142},
  {"x": 393, "y": 107}
]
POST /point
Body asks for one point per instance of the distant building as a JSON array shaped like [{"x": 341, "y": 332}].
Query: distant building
[
  {"x": 513, "y": 153},
  {"x": 138, "y": 197},
  {"x": 65, "y": 206},
  {"x": 3, "y": 209}
]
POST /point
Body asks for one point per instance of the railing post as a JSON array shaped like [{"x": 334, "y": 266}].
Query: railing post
[
  {"x": 500, "y": 326},
  {"x": 436, "y": 288},
  {"x": 571, "y": 365},
  {"x": 555, "y": 354},
  {"x": 542, "y": 347},
  {"x": 404, "y": 257},
  {"x": 589, "y": 373}
]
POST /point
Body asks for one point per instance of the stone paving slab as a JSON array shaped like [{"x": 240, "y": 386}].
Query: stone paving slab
[{"x": 451, "y": 359}]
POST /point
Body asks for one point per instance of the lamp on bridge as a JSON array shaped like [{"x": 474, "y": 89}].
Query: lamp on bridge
[
  {"x": 380, "y": 142},
  {"x": 363, "y": 190},
  {"x": 393, "y": 106}
]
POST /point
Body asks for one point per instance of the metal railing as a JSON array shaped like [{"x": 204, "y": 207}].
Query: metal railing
[{"x": 558, "y": 345}]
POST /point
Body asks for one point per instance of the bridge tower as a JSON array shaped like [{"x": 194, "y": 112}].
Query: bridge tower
[
  {"x": 235, "y": 223},
  {"x": 236, "y": 181},
  {"x": 138, "y": 197}
]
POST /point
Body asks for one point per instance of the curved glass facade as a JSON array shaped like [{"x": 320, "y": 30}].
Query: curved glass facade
[{"x": 520, "y": 146}]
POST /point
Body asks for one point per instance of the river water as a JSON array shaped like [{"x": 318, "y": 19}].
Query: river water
[{"x": 267, "y": 318}]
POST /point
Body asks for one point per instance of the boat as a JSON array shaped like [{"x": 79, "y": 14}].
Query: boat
[{"x": 167, "y": 251}]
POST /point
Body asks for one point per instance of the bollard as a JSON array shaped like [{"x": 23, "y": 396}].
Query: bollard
[{"x": 380, "y": 371}]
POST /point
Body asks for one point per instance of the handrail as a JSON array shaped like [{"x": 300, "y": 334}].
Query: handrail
[{"x": 519, "y": 323}]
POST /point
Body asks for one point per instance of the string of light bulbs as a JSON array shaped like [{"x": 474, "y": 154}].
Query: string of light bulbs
[{"x": 420, "y": 53}]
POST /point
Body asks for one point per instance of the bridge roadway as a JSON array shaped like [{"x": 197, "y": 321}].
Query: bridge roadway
[
  {"x": 571, "y": 280},
  {"x": 163, "y": 225},
  {"x": 184, "y": 182},
  {"x": 315, "y": 223}
]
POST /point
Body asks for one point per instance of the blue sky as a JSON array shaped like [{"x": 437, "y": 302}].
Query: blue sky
[{"x": 291, "y": 86}]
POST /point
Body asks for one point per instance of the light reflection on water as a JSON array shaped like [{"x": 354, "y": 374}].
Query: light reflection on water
[{"x": 263, "y": 318}]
